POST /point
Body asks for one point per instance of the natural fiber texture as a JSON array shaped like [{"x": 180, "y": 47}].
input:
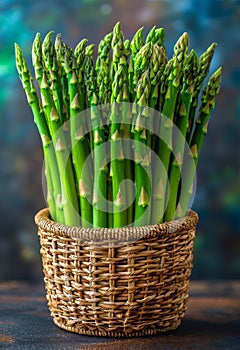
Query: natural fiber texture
[{"x": 117, "y": 282}]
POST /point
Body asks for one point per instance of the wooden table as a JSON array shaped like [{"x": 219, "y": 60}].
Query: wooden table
[{"x": 212, "y": 322}]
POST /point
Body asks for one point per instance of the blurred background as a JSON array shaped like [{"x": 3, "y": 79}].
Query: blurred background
[{"x": 217, "y": 245}]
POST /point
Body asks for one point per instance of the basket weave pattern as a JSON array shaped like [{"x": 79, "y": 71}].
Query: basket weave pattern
[{"x": 117, "y": 282}]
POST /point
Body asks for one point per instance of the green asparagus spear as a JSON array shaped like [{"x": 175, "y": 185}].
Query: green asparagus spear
[
  {"x": 142, "y": 154},
  {"x": 102, "y": 69},
  {"x": 123, "y": 95},
  {"x": 203, "y": 70},
  {"x": 207, "y": 104},
  {"x": 69, "y": 197},
  {"x": 80, "y": 144},
  {"x": 118, "y": 48},
  {"x": 63, "y": 50},
  {"x": 137, "y": 42},
  {"x": 141, "y": 63},
  {"x": 52, "y": 174},
  {"x": 164, "y": 84},
  {"x": 53, "y": 72},
  {"x": 168, "y": 110},
  {"x": 157, "y": 65},
  {"x": 79, "y": 55},
  {"x": 156, "y": 36},
  {"x": 98, "y": 139},
  {"x": 135, "y": 45},
  {"x": 127, "y": 48},
  {"x": 104, "y": 88},
  {"x": 104, "y": 51},
  {"x": 120, "y": 217},
  {"x": 151, "y": 36},
  {"x": 100, "y": 217},
  {"x": 190, "y": 72}
]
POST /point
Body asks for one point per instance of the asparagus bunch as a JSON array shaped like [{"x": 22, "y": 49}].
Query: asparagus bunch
[{"x": 90, "y": 151}]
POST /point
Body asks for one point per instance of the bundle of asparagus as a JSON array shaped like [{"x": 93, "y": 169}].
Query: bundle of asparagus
[{"x": 102, "y": 120}]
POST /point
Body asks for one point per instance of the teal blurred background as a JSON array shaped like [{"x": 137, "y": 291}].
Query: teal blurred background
[{"x": 217, "y": 245}]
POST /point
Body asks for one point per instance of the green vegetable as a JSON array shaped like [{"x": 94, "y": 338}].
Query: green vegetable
[
  {"x": 142, "y": 154},
  {"x": 165, "y": 143},
  {"x": 181, "y": 121},
  {"x": 201, "y": 126},
  {"x": 203, "y": 70},
  {"x": 110, "y": 122}
]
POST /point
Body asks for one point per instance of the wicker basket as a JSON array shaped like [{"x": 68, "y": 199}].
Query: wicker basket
[{"x": 117, "y": 282}]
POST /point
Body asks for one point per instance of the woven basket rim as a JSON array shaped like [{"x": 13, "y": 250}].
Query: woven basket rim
[{"x": 43, "y": 221}]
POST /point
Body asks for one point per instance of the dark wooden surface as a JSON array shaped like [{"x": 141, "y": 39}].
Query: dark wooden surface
[{"x": 212, "y": 321}]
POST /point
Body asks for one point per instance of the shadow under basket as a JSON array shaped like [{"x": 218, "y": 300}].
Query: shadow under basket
[{"x": 117, "y": 282}]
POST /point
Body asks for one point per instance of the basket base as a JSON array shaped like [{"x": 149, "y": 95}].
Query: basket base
[
  {"x": 117, "y": 334},
  {"x": 137, "y": 289}
]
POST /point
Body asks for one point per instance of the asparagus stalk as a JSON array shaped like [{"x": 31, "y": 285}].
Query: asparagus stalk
[
  {"x": 203, "y": 70},
  {"x": 207, "y": 104},
  {"x": 104, "y": 89},
  {"x": 52, "y": 175},
  {"x": 142, "y": 153},
  {"x": 119, "y": 194},
  {"x": 53, "y": 73},
  {"x": 104, "y": 84},
  {"x": 69, "y": 195},
  {"x": 104, "y": 51},
  {"x": 160, "y": 37},
  {"x": 157, "y": 65},
  {"x": 137, "y": 42},
  {"x": 120, "y": 93},
  {"x": 181, "y": 121},
  {"x": 62, "y": 49},
  {"x": 100, "y": 217},
  {"x": 80, "y": 144},
  {"x": 135, "y": 45},
  {"x": 151, "y": 37},
  {"x": 79, "y": 54},
  {"x": 102, "y": 69},
  {"x": 50, "y": 190},
  {"x": 37, "y": 58},
  {"x": 156, "y": 36},
  {"x": 141, "y": 63},
  {"x": 165, "y": 142},
  {"x": 123, "y": 97},
  {"x": 164, "y": 84},
  {"x": 118, "y": 48},
  {"x": 99, "y": 159},
  {"x": 158, "y": 62},
  {"x": 127, "y": 48}
]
